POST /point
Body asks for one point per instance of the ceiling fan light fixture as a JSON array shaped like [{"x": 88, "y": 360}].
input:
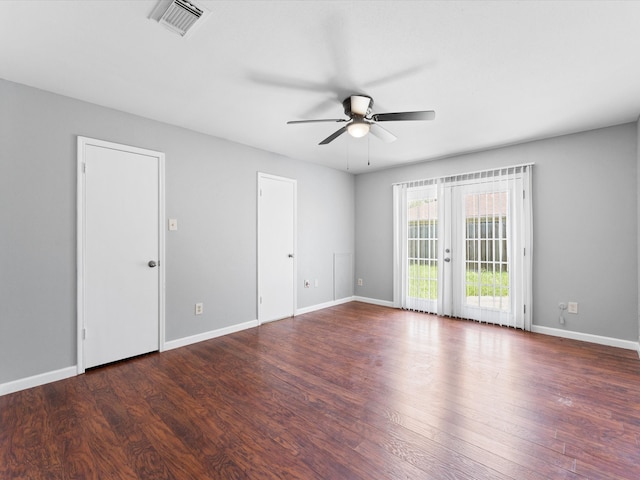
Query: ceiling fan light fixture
[{"x": 358, "y": 128}]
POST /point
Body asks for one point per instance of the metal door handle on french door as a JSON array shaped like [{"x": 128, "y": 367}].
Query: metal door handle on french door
[
  {"x": 447, "y": 259},
  {"x": 152, "y": 263},
  {"x": 291, "y": 255}
]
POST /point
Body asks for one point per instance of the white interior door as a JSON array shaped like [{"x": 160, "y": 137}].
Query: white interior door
[
  {"x": 120, "y": 252},
  {"x": 276, "y": 247}
]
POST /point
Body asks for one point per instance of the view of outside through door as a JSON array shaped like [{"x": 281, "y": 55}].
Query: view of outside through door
[
  {"x": 422, "y": 248},
  {"x": 486, "y": 249},
  {"x": 462, "y": 246}
]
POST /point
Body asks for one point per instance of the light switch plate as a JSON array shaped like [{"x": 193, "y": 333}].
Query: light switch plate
[{"x": 173, "y": 224}]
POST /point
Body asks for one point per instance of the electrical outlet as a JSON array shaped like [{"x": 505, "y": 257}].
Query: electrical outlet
[
  {"x": 572, "y": 307},
  {"x": 199, "y": 308},
  {"x": 315, "y": 283},
  {"x": 360, "y": 283}
]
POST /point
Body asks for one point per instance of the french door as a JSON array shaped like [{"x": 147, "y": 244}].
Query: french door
[{"x": 463, "y": 246}]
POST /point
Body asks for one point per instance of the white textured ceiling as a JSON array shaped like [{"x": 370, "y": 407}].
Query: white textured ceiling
[{"x": 496, "y": 73}]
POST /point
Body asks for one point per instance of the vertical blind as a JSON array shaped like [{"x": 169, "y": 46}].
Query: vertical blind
[{"x": 480, "y": 225}]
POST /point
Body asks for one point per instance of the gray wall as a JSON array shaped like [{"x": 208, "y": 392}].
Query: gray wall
[
  {"x": 210, "y": 189},
  {"x": 585, "y": 217},
  {"x": 585, "y": 211}
]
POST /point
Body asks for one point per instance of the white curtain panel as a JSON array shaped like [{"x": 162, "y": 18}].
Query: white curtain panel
[{"x": 469, "y": 237}]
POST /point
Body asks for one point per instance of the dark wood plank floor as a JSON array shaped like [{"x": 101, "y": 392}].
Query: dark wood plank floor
[{"x": 350, "y": 392}]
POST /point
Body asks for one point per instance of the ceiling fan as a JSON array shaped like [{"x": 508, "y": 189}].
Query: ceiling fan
[{"x": 361, "y": 121}]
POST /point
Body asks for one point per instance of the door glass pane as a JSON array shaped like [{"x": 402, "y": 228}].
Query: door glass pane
[
  {"x": 486, "y": 282},
  {"x": 422, "y": 249}
]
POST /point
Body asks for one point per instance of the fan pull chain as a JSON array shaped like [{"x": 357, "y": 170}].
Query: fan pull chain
[
  {"x": 369, "y": 149},
  {"x": 347, "y": 146}
]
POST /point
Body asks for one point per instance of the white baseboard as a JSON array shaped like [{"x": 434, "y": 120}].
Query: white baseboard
[
  {"x": 374, "y": 301},
  {"x": 320, "y": 306},
  {"x": 61, "y": 374},
  {"x": 333, "y": 303},
  {"x": 587, "y": 337},
  {"x": 201, "y": 337},
  {"x": 37, "y": 380}
]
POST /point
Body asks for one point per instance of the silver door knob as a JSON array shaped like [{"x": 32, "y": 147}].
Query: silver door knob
[{"x": 152, "y": 263}]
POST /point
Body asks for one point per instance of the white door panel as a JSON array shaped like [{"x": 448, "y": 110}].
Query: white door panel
[
  {"x": 484, "y": 281},
  {"x": 276, "y": 247},
  {"x": 121, "y": 292}
]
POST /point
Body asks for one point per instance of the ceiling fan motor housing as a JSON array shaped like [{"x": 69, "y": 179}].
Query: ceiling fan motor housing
[{"x": 357, "y": 105}]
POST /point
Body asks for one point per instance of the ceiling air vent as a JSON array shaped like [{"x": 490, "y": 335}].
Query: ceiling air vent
[{"x": 180, "y": 16}]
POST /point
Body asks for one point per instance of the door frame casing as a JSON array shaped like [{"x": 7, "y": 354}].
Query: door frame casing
[
  {"x": 294, "y": 182},
  {"x": 82, "y": 143}
]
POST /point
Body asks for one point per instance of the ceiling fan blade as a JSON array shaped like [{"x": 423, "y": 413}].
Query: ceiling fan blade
[
  {"x": 403, "y": 116},
  {"x": 382, "y": 133},
  {"x": 321, "y": 108},
  {"x": 291, "y": 122},
  {"x": 398, "y": 75},
  {"x": 333, "y": 136},
  {"x": 290, "y": 83}
]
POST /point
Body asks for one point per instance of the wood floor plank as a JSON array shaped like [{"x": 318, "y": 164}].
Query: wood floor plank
[
  {"x": 355, "y": 391},
  {"x": 288, "y": 406},
  {"x": 186, "y": 449},
  {"x": 24, "y": 437}
]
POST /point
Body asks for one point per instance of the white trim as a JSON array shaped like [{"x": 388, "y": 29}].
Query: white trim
[
  {"x": 374, "y": 301},
  {"x": 587, "y": 337},
  {"x": 333, "y": 303},
  {"x": 37, "y": 380},
  {"x": 68, "y": 372},
  {"x": 556, "y": 332},
  {"x": 320, "y": 306},
  {"x": 201, "y": 337},
  {"x": 80, "y": 241},
  {"x": 82, "y": 142},
  {"x": 162, "y": 267}
]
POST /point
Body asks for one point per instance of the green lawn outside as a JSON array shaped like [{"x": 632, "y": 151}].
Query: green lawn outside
[{"x": 492, "y": 284}]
